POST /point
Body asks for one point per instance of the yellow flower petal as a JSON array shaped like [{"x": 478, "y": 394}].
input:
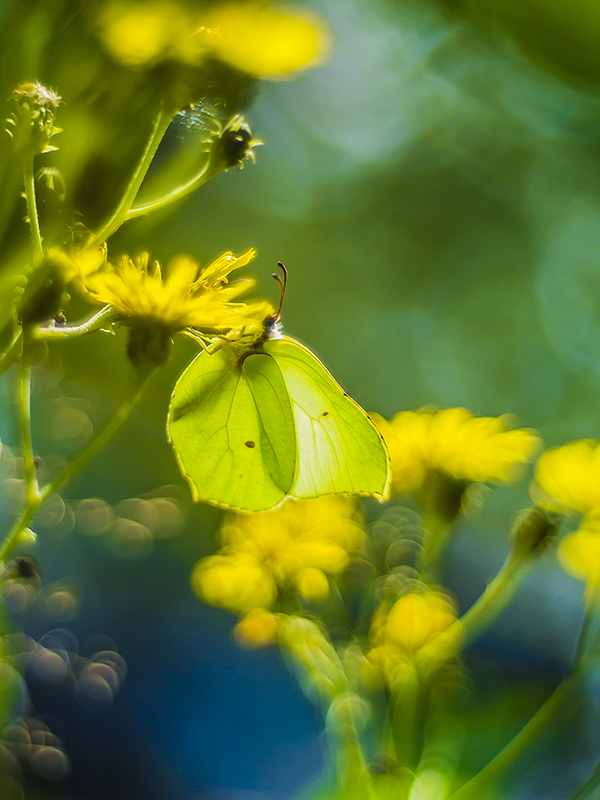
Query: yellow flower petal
[{"x": 263, "y": 41}]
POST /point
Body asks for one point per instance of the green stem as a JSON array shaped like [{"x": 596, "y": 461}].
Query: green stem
[
  {"x": 161, "y": 123},
  {"x": 11, "y": 354},
  {"x": 100, "y": 320},
  {"x": 496, "y": 597},
  {"x": 97, "y": 443},
  {"x": 405, "y": 717},
  {"x": 13, "y": 537},
  {"x": 515, "y": 748},
  {"x": 32, "y": 214},
  {"x": 187, "y": 188},
  {"x": 24, "y": 406}
]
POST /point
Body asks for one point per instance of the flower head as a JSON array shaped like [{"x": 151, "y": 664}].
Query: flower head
[
  {"x": 400, "y": 630},
  {"x": 264, "y": 41},
  {"x": 250, "y": 36},
  {"x": 453, "y": 443},
  {"x": 187, "y": 297},
  {"x": 567, "y": 478},
  {"x": 296, "y": 548},
  {"x": 32, "y": 121}
]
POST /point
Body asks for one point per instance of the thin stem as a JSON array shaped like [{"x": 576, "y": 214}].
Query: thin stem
[
  {"x": 13, "y": 537},
  {"x": 492, "y": 602},
  {"x": 100, "y": 320},
  {"x": 405, "y": 698},
  {"x": 123, "y": 411},
  {"x": 24, "y": 407},
  {"x": 204, "y": 175},
  {"x": 515, "y": 748},
  {"x": 11, "y": 354},
  {"x": 161, "y": 123},
  {"x": 32, "y": 214}
]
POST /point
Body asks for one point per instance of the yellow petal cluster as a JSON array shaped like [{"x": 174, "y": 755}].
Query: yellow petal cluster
[
  {"x": 253, "y": 37},
  {"x": 257, "y": 629},
  {"x": 569, "y": 477},
  {"x": 267, "y": 42},
  {"x": 400, "y": 630},
  {"x": 567, "y": 480},
  {"x": 187, "y": 297},
  {"x": 296, "y": 547},
  {"x": 454, "y": 442},
  {"x": 579, "y": 552}
]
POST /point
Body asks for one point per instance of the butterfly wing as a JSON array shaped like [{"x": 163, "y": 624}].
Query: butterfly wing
[
  {"x": 232, "y": 430},
  {"x": 339, "y": 449}
]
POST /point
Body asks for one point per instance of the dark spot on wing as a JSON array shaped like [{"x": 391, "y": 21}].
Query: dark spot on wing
[
  {"x": 250, "y": 443},
  {"x": 325, "y": 414}
]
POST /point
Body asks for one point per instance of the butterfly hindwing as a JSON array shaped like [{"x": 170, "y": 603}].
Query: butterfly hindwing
[
  {"x": 232, "y": 429},
  {"x": 339, "y": 448}
]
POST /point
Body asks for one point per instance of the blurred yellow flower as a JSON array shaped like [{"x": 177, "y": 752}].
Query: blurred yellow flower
[
  {"x": 257, "y": 629},
  {"x": 400, "y": 630},
  {"x": 140, "y": 34},
  {"x": 569, "y": 477},
  {"x": 293, "y": 548},
  {"x": 251, "y": 36},
  {"x": 455, "y": 443},
  {"x": 579, "y": 552},
  {"x": 187, "y": 297},
  {"x": 266, "y": 42}
]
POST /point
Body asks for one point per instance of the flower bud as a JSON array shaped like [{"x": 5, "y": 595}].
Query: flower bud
[
  {"x": 149, "y": 344},
  {"x": 234, "y": 144},
  {"x": 31, "y": 125},
  {"x": 533, "y": 531}
]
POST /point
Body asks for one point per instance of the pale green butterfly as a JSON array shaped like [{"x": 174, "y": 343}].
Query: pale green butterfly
[{"x": 253, "y": 427}]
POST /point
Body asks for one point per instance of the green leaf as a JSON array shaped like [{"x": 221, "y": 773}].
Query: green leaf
[{"x": 250, "y": 431}]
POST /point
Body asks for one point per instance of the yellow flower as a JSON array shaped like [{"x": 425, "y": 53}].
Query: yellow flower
[
  {"x": 186, "y": 298},
  {"x": 251, "y": 37},
  {"x": 400, "y": 630},
  {"x": 293, "y": 548},
  {"x": 265, "y": 41},
  {"x": 455, "y": 443},
  {"x": 140, "y": 34},
  {"x": 579, "y": 552},
  {"x": 569, "y": 477},
  {"x": 257, "y": 629}
]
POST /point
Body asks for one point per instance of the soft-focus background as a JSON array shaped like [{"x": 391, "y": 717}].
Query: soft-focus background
[{"x": 434, "y": 190}]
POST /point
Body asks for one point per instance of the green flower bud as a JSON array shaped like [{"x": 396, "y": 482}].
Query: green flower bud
[
  {"x": 149, "y": 344},
  {"x": 533, "y": 531},
  {"x": 234, "y": 144},
  {"x": 31, "y": 125}
]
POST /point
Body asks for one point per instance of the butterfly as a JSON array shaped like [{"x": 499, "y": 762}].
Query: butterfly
[{"x": 251, "y": 428}]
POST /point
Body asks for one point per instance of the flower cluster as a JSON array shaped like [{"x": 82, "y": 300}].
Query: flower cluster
[
  {"x": 401, "y": 629},
  {"x": 449, "y": 449},
  {"x": 271, "y": 555},
  {"x": 188, "y": 297},
  {"x": 567, "y": 480},
  {"x": 251, "y": 37}
]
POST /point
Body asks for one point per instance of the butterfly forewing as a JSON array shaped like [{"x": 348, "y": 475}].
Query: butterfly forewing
[{"x": 231, "y": 454}]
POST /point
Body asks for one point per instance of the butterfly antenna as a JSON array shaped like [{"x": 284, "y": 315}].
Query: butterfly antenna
[{"x": 282, "y": 285}]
